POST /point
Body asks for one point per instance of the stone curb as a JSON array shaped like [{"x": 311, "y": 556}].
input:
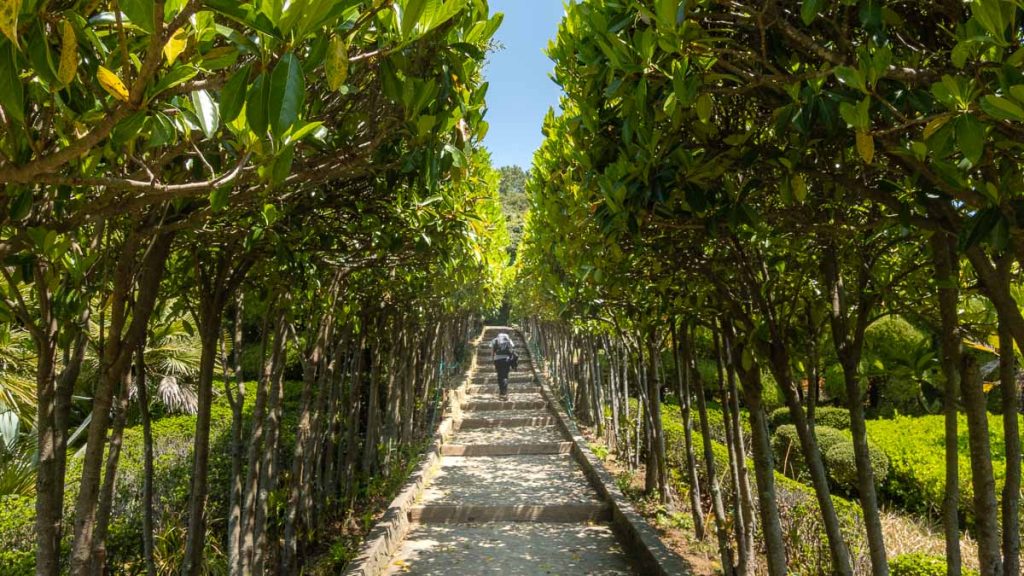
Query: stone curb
[
  {"x": 387, "y": 535},
  {"x": 637, "y": 536}
]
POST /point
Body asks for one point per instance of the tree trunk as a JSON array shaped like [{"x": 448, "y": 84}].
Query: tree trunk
[
  {"x": 744, "y": 494},
  {"x": 849, "y": 346},
  {"x": 1011, "y": 435},
  {"x": 195, "y": 544},
  {"x": 717, "y": 506},
  {"x": 110, "y": 477},
  {"x": 986, "y": 511},
  {"x": 49, "y": 486},
  {"x": 764, "y": 469},
  {"x": 683, "y": 384},
  {"x": 254, "y": 449},
  {"x": 118, "y": 350},
  {"x": 780, "y": 364},
  {"x": 236, "y": 399},
  {"x": 947, "y": 278},
  {"x": 148, "y": 527}
]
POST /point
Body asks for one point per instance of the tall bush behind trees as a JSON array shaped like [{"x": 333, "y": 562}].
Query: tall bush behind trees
[
  {"x": 757, "y": 162},
  {"x": 151, "y": 146}
]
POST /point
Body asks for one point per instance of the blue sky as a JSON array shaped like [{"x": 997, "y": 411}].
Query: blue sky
[{"x": 520, "y": 90}]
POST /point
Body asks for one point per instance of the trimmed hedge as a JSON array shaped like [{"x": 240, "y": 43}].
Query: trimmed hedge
[
  {"x": 914, "y": 446},
  {"x": 842, "y": 464},
  {"x": 918, "y": 564},
  {"x": 806, "y": 543},
  {"x": 17, "y": 535},
  {"x": 173, "y": 439},
  {"x": 829, "y": 416},
  {"x": 836, "y": 448}
]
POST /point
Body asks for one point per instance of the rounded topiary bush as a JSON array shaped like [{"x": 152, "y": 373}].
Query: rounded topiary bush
[
  {"x": 827, "y": 416},
  {"x": 789, "y": 458},
  {"x": 918, "y": 564},
  {"x": 841, "y": 464}
]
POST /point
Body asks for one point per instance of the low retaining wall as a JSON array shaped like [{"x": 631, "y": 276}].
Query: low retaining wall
[
  {"x": 387, "y": 535},
  {"x": 639, "y": 538}
]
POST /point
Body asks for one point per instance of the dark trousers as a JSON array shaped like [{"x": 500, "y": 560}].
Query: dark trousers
[{"x": 502, "y": 365}]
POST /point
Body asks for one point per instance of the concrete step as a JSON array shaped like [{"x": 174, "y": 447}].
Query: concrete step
[
  {"x": 509, "y": 480},
  {"x": 474, "y": 422},
  {"x": 511, "y": 548},
  {"x": 516, "y": 435},
  {"x": 478, "y": 389},
  {"x": 506, "y": 449},
  {"x": 460, "y": 514},
  {"x": 494, "y": 405},
  {"x": 513, "y": 380}
]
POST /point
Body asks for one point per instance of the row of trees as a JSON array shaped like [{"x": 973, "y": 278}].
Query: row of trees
[
  {"x": 302, "y": 176},
  {"x": 777, "y": 176}
]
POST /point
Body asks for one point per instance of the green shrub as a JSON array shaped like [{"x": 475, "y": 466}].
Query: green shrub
[
  {"x": 918, "y": 564},
  {"x": 914, "y": 446},
  {"x": 17, "y": 536},
  {"x": 841, "y": 465},
  {"x": 830, "y": 416},
  {"x": 789, "y": 458}
]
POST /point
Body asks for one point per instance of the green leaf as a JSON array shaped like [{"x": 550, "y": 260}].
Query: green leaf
[
  {"x": 979, "y": 226},
  {"x": 667, "y": 12},
  {"x": 799, "y": 188},
  {"x": 232, "y": 96},
  {"x": 704, "y": 106},
  {"x": 207, "y": 111},
  {"x": 1002, "y": 108},
  {"x": 970, "y": 137},
  {"x": 851, "y": 77},
  {"x": 411, "y": 12},
  {"x": 287, "y": 93},
  {"x": 809, "y": 10},
  {"x": 302, "y": 131},
  {"x": 175, "y": 77},
  {"x": 256, "y": 105},
  {"x": 12, "y": 91},
  {"x": 219, "y": 198},
  {"x": 140, "y": 12}
]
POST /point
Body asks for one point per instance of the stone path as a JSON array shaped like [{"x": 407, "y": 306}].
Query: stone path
[{"x": 509, "y": 498}]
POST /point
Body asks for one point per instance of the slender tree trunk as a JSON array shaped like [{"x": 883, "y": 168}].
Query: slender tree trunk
[
  {"x": 253, "y": 456},
  {"x": 764, "y": 471},
  {"x": 683, "y": 384},
  {"x": 195, "y": 544},
  {"x": 736, "y": 459},
  {"x": 743, "y": 472},
  {"x": 268, "y": 464},
  {"x": 49, "y": 487},
  {"x": 947, "y": 278},
  {"x": 236, "y": 399},
  {"x": 148, "y": 526},
  {"x": 117, "y": 353},
  {"x": 986, "y": 511},
  {"x": 717, "y": 506},
  {"x": 1011, "y": 435},
  {"x": 849, "y": 342},
  {"x": 106, "y": 504}
]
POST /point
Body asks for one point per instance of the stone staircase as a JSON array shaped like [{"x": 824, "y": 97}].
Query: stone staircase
[{"x": 508, "y": 498}]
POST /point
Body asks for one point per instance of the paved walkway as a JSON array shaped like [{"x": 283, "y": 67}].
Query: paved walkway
[{"x": 509, "y": 498}]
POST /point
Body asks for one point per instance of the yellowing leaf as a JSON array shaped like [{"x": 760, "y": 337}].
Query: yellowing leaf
[
  {"x": 799, "y": 187},
  {"x": 336, "y": 64},
  {"x": 175, "y": 45},
  {"x": 704, "y": 105},
  {"x": 112, "y": 84},
  {"x": 866, "y": 146},
  {"x": 68, "y": 56},
  {"x": 933, "y": 126},
  {"x": 9, "y": 19}
]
